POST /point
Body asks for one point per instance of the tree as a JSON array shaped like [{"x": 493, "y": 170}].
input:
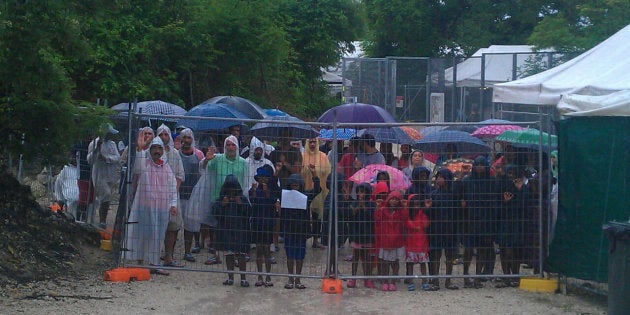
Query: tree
[{"x": 38, "y": 116}]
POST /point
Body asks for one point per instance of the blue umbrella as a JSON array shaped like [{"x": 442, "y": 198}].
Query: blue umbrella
[
  {"x": 217, "y": 110},
  {"x": 342, "y": 134},
  {"x": 276, "y": 126},
  {"x": 388, "y": 135},
  {"x": 271, "y": 112},
  {"x": 243, "y": 105},
  {"x": 357, "y": 113},
  {"x": 152, "y": 108},
  {"x": 431, "y": 129},
  {"x": 436, "y": 142}
]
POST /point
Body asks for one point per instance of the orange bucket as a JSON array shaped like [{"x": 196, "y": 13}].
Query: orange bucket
[{"x": 332, "y": 286}]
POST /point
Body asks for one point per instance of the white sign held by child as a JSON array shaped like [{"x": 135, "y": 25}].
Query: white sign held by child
[{"x": 293, "y": 199}]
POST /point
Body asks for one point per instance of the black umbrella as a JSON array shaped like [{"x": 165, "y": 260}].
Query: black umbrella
[
  {"x": 243, "y": 105},
  {"x": 275, "y": 126}
]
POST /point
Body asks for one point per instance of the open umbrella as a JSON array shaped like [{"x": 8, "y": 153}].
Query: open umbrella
[
  {"x": 431, "y": 129},
  {"x": 527, "y": 138},
  {"x": 459, "y": 167},
  {"x": 275, "y": 126},
  {"x": 243, "y": 105},
  {"x": 342, "y": 134},
  {"x": 436, "y": 142},
  {"x": 274, "y": 112},
  {"x": 397, "y": 179},
  {"x": 156, "y": 107},
  {"x": 491, "y": 131},
  {"x": 465, "y": 128},
  {"x": 216, "y": 110},
  {"x": 399, "y": 135},
  {"x": 357, "y": 113}
]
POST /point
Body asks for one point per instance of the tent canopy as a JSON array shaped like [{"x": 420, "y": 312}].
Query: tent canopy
[
  {"x": 601, "y": 70},
  {"x": 499, "y": 65},
  {"x": 614, "y": 104}
]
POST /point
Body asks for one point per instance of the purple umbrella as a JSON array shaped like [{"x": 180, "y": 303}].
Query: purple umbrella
[{"x": 357, "y": 113}]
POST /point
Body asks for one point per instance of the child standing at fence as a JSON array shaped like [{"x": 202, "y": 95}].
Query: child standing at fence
[
  {"x": 416, "y": 240},
  {"x": 390, "y": 218},
  {"x": 232, "y": 211},
  {"x": 296, "y": 226},
  {"x": 264, "y": 195},
  {"x": 361, "y": 233}
]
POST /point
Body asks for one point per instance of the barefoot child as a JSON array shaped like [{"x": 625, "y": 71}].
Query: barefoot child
[
  {"x": 390, "y": 218},
  {"x": 361, "y": 222},
  {"x": 416, "y": 240}
]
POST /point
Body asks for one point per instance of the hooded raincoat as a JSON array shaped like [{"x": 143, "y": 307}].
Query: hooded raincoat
[
  {"x": 155, "y": 194},
  {"x": 390, "y": 222},
  {"x": 222, "y": 166}
]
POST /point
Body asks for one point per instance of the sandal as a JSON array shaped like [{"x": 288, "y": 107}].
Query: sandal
[
  {"x": 451, "y": 286},
  {"x": 228, "y": 282},
  {"x": 300, "y": 286},
  {"x": 212, "y": 261},
  {"x": 288, "y": 286},
  {"x": 259, "y": 283},
  {"x": 430, "y": 287},
  {"x": 268, "y": 284},
  {"x": 174, "y": 264},
  {"x": 161, "y": 272},
  {"x": 244, "y": 283}
]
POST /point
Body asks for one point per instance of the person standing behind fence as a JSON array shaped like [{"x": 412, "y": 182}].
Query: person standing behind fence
[
  {"x": 228, "y": 163},
  {"x": 361, "y": 233},
  {"x": 417, "y": 160},
  {"x": 191, "y": 158},
  {"x": 66, "y": 185},
  {"x": 416, "y": 240},
  {"x": 264, "y": 196},
  {"x": 154, "y": 195},
  {"x": 312, "y": 157},
  {"x": 442, "y": 228},
  {"x": 296, "y": 227},
  {"x": 232, "y": 211},
  {"x": 368, "y": 154},
  {"x": 479, "y": 202},
  {"x": 104, "y": 158},
  {"x": 255, "y": 160},
  {"x": 390, "y": 218},
  {"x": 512, "y": 224}
]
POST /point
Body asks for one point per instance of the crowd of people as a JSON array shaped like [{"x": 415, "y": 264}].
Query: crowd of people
[{"x": 250, "y": 192}]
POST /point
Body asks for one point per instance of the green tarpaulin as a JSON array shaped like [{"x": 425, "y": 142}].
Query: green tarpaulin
[{"x": 594, "y": 176}]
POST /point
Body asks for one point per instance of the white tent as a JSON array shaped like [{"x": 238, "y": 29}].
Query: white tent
[
  {"x": 614, "y": 104},
  {"x": 602, "y": 70},
  {"x": 499, "y": 65}
]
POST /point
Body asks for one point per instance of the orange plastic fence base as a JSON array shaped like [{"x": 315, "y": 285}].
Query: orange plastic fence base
[
  {"x": 106, "y": 234},
  {"x": 332, "y": 286},
  {"x": 127, "y": 274}
]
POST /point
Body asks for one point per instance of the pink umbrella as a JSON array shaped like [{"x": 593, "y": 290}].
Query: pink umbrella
[
  {"x": 491, "y": 131},
  {"x": 397, "y": 179}
]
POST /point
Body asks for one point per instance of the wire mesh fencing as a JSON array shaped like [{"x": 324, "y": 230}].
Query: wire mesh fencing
[{"x": 311, "y": 200}]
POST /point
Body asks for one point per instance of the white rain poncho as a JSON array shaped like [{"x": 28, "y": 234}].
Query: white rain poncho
[
  {"x": 254, "y": 164},
  {"x": 104, "y": 159},
  {"x": 155, "y": 194},
  {"x": 67, "y": 187},
  {"x": 171, "y": 155}
]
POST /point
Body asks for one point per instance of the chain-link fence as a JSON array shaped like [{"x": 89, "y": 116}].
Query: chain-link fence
[{"x": 310, "y": 200}]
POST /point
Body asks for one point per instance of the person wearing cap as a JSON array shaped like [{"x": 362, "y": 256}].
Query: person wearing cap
[
  {"x": 176, "y": 140},
  {"x": 154, "y": 194},
  {"x": 104, "y": 158},
  {"x": 264, "y": 196}
]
